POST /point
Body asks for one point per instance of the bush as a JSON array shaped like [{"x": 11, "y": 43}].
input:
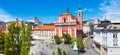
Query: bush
[
  {"x": 64, "y": 53},
  {"x": 67, "y": 38},
  {"x": 53, "y": 53},
  {"x": 57, "y": 39},
  {"x": 80, "y": 44},
  {"x": 72, "y": 40},
  {"x": 59, "y": 51}
]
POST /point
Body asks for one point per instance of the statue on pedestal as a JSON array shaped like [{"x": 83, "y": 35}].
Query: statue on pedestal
[{"x": 74, "y": 46}]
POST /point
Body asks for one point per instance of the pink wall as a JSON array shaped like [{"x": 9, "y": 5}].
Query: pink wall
[{"x": 74, "y": 31}]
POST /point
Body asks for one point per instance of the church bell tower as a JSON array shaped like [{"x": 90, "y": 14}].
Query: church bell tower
[{"x": 80, "y": 17}]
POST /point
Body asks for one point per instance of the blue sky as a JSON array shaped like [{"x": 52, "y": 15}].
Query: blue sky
[{"x": 48, "y": 10}]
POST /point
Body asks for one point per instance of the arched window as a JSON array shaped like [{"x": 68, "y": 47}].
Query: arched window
[{"x": 64, "y": 20}]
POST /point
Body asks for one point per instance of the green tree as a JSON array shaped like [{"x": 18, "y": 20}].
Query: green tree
[
  {"x": 59, "y": 51},
  {"x": 80, "y": 44},
  {"x": 12, "y": 40},
  {"x": 2, "y": 42},
  {"x": 67, "y": 38},
  {"x": 64, "y": 53},
  {"x": 57, "y": 39},
  {"x": 72, "y": 40},
  {"x": 53, "y": 53},
  {"x": 6, "y": 45},
  {"x": 17, "y": 40},
  {"x": 26, "y": 34}
]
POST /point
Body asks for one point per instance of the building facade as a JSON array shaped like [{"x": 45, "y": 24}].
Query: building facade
[
  {"x": 67, "y": 23},
  {"x": 36, "y": 21},
  {"x": 3, "y": 26},
  {"x": 43, "y": 32},
  {"x": 88, "y": 27},
  {"x": 106, "y": 38}
]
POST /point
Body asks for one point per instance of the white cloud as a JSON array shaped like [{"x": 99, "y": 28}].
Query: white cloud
[
  {"x": 110, "y": 8},
  {"x": 4, "y": 16},
  {"x": 88, "y": 10}
]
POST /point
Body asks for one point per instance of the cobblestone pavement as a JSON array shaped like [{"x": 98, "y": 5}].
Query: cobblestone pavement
[
  {"x": 46, "y": 47},
  {"x": 88, "y": 47}
]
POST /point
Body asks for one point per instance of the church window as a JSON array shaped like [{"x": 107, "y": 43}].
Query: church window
[
  {"x": 79, "y": 14},
  {"x": 64, "y": 20}
]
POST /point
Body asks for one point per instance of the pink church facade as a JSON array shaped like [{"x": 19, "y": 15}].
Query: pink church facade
[{"x": 67, "y": 23}]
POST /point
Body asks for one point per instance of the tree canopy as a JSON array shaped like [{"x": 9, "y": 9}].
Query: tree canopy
[
  {"x": 67, "y": 38},
  {"x": 80, "y": 44},
  {"x": 57, "y": 39},
  {"x": 17, "y": 40}
]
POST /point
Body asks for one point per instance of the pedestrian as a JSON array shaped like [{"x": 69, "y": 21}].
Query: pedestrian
[
  {"x": 41, "y": 53},
  {"x": 47, "y": 45},
  {"x": 32, "y": 54}
]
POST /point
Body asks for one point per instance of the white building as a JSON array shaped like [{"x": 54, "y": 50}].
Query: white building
[
  {"x": 43, "y": 32},
  {"x": 89, "y": 25},
  {"x": 106, "y": 38},
  {"x": 86, "y": 29}
]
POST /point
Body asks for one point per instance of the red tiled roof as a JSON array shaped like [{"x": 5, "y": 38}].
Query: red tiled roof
[
  {"x": 44, "y": 27},
  {"x": 73, "y": 17}
]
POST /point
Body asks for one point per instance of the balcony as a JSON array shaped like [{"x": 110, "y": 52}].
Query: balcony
[{"x": 67, "y": 23}]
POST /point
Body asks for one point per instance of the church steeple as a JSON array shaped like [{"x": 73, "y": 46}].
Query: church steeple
[
  {"x": 79, "y": 11},
  {"x": 67, "y": 10},
  {"x": 80, "y": 17}
]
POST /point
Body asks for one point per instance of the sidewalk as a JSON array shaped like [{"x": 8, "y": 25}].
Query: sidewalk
[{"x": 88, "y": 47}]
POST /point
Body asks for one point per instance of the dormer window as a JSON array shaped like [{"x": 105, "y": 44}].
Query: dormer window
[{"x": 64, "y": 20}]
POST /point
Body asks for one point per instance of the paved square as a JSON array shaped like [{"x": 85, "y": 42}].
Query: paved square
[{"x": 46, "y": 47}]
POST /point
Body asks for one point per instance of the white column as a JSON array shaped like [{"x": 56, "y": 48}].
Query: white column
[
  {"x": 53, "y": 33},
  {"x": 55, "y": 30},
  {"x": 75, "y": 32},
  {"x": 60, "y": 31},
  {"x": 101, "y": 36},
  {"x": 70, "y": 18},
  {"x": 70, "y": 30}
]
